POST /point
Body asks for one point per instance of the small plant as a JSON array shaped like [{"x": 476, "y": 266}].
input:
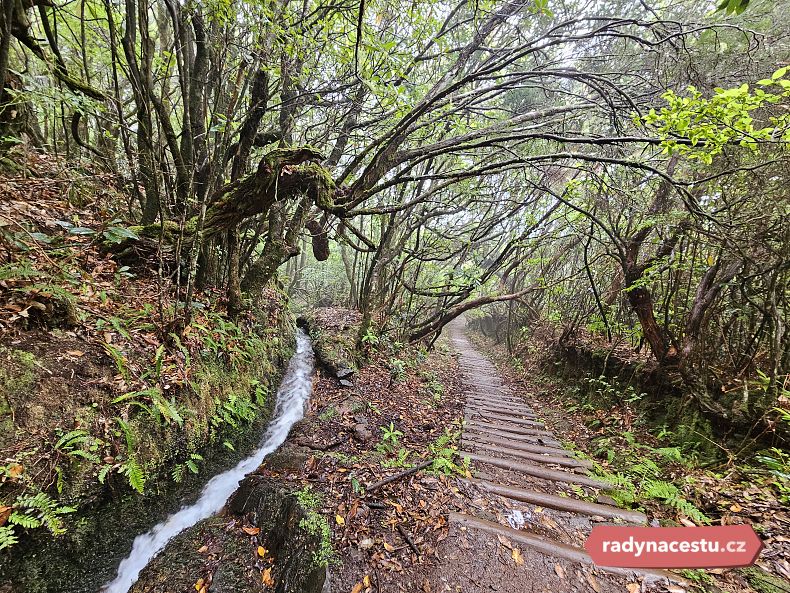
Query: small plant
[
  {"x": 32, "y": 512},
  {"x": 74, "y": 444},
  {"x": 370, "y": 339},
  {"x": 399, "y": 460},
  {"x": 444, "y": 452},
  {"x": 390, "y": 438},
  {"x": 327, "y": 414},
  {"x": 777, "y": 464},
  {"x": 397, "y": 370}
]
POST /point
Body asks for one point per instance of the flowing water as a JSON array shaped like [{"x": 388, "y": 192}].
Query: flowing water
[{"x": 292, "y": 395}]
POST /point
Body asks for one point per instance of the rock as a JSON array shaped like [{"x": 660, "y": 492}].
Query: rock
[
  {"x": 288, "y": 457},
  {"x": 362, "y": 432},
  {"x": 603, "y": 499},
  {"x": 366, "y": 544},
  {"x": 350, "y": 405},
  {"x": 344, "y": 372},
  {"x": 346, "y": 383}
]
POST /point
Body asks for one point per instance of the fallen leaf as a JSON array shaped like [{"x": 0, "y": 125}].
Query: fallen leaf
[
  {"x": 559, "y": 570},
  {"x": 633, "y": 587},
  {"x": 199, "y": 584},
  {"x": 340, "y": 520},
  {"x": 262, "y": 551},
  {"x": 365, "y": 544},
  {"x": 736, "y": 508},
  {"x": 202, "y": 549},
  {"x": 504, "y": 541},
  {"x": 593, "y": 582},
  {"x": 5, "y": 512},
  {"x": 251, "y": 530},
  {"x": 389, "y": 547},
  {"x": 687, "y": 523},
  {"x": 75, "y": 353},
  {"x": 15, "y": 470},
  {"x": 366, "y": 580},
  {"x": 516, "y": 553},
  {"x": 356, "y": 588},
  {"x": 266, "y": 577}
]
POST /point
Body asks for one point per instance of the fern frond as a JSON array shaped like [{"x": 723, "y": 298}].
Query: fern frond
[{"x": 7, "y": 537}]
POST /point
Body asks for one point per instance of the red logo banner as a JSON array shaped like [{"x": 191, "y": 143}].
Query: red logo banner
[{"x": 674, "y": 547}]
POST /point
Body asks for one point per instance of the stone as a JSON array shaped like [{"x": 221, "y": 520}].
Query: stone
[
  {"x": 344, "y": 372},
  {"x": 362, "y": 433}
]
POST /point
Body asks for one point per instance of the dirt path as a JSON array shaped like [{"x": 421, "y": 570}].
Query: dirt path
[{"x": 532, "y": 503}]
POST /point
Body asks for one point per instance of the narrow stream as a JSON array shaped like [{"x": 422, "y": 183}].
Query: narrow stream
[{"x": 292, "y": 395}]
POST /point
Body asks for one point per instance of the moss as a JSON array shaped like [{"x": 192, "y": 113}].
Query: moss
[
  {"x": 762, "y": 581},
  {"x": 17, "y": 377}
]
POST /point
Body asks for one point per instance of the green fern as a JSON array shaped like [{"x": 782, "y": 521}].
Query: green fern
[
  {"x": 23, "y": 520},
  {"x": 670, "y": 495},
  {"x": 7, "y": 537},
  {"x": 43, "y": 509},
  {"x": 135, "y": 473}
]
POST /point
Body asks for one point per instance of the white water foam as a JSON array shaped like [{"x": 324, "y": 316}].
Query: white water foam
[{"x": 292, "y": 395}]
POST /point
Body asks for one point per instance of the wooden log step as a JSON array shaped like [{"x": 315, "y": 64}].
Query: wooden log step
[
  {"x": 538, "y": 472},
  {"x": 556, "y": 549},
  {"x": 497, "y": 408},
  {"x": 498, "y": 402},
  {"x": 481, "y": 439},
  {"x": 507, "y": 427},
  {"x": 539, "y": 457},
  {"x": 538, "y": 439},
  {"x": 513, "y": 419},
  {"x": 562, "y": 503}
]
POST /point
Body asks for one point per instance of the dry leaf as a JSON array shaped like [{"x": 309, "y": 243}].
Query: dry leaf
[
  {"x": 633, "y": 587},
  {"x": 593, "y": 582},
  {"x": 687, "y": 523},
  {"x": 736, "y": 508},
  {"x": 202, "y": 549},
  {"x": 251, "y": 530},
  {"x": 199, "y": 584},
  {"x": 389, "y": 547},
  {"x": 357, "y": 588},
  {"x": 75, "y": 353},
  {"x": 559, "y": 570},
  {"x": 266, "y": 577},
  {"x": 340, "y": 520},
  {"x": 516, "y": 553},
  {"x": 5, "y": 512},
  {"x": 15, "y": 470},
  {"x": 262, "y": 551},
  {"x": 504, "y": 541},
  {"x": 366, "y": 580}
]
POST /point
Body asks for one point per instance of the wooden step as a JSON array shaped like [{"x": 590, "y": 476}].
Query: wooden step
[
  {"x": 541, "y": 440},
  {"x": 537, "y": 471},
  {"x": 540, "y": 457},
  {"x": 507, "y": 427},
  {"x": 555, "y": 548},
  {"x": 480, "y": 439},
  {"x": 562, "y": 503},
  {"x": 513, "y": 419},
  {"x": 501, "y": 408}
]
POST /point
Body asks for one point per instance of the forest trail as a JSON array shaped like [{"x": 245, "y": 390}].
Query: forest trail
[{"x": 530, "y": 499}]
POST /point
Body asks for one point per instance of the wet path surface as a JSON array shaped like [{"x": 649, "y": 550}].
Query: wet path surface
[{"x": 532, "y": 503}]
